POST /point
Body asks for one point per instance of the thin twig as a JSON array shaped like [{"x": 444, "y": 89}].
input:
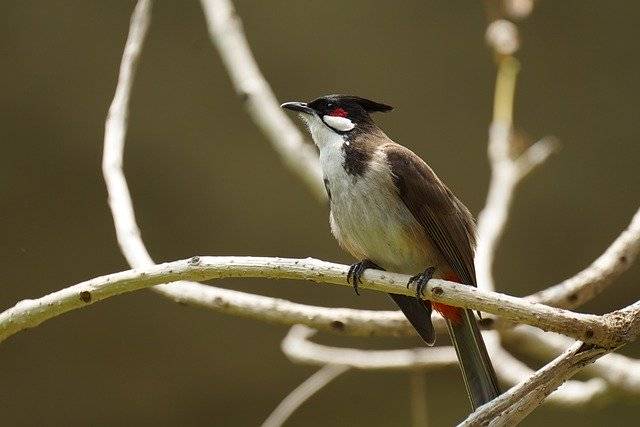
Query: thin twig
[{"x": 302, "y": 393}]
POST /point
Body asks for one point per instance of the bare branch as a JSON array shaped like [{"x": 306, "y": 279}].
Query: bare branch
[
  {"x": 297, "y": 347},
  {"x": 115, "y": 132},
  {"x": 302, "y": 393},
  {"x": 418, "y": 397},
  {"x": 610, "y": 330},
  {"x": 619, "y": 372},
  {"x": 515, "y": 404},
  {"x": 591, "y": 281},
  {"x": 133, "y": 247},
  {"x": 506, "y": 172},
  {"x": 225, "y": 30},
  {"x": 510, "y": 370}
]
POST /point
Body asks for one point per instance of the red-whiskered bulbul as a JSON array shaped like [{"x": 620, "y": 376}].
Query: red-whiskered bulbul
[{"x": 391, "y": 211}]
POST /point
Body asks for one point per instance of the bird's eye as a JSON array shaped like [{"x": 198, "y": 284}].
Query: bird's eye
[{"x": 338, "y": 112}]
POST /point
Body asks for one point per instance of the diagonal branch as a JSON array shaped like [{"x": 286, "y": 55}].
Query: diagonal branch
[
  {"x": 619, "y": 372},
  {"x": 302, "y": 393},
  {"x": 225, "y": 29},
  {"x": 591, "y": 281},
  {"x": 515, "y": 404}
]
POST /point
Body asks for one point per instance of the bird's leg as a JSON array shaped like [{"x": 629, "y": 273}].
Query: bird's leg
[
  {"x": 421, "y": 281},
  {"x": 356, "y": 270}
]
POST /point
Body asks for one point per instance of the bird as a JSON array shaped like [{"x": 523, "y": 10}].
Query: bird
[{"x": 391, "y": 212}]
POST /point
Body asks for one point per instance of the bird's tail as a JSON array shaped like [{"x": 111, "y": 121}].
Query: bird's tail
[{"x": 477, "y": 370}]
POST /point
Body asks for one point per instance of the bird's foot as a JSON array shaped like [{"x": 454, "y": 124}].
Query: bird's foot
[
  {"x": 354, "y": 276},
  {"x": 421, "y": 281}
]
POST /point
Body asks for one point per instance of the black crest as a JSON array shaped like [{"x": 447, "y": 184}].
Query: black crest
[
  {"x": 355, "y": 108},
  {"x": 367, "y": 105}
]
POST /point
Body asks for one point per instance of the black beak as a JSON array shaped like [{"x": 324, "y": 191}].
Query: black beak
[{"x": 297, "y": 106}]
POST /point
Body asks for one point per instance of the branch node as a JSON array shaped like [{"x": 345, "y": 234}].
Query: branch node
[{"x": 85, "y": 296}]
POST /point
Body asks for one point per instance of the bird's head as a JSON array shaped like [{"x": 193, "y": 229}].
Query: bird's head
[{"x": 341, "y": 115}]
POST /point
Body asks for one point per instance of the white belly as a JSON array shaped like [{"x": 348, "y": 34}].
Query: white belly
[{"x": 369, "y": 219}]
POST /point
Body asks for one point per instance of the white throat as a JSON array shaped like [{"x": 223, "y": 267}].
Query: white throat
[{"x": 322, "y": 135}]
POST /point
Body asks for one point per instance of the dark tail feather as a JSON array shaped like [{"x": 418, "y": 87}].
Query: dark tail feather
[
  {"x": 477, "y": 370},
  {"x": 419, "y": 314}
]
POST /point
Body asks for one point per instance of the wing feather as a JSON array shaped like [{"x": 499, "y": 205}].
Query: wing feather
[{"x": 445, "y": 219}]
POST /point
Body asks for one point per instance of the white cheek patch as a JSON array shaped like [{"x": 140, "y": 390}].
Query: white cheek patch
[{"x": 341, "y": 124}]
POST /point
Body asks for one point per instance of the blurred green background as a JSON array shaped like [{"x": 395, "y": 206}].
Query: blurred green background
[{"x": 205, "y": 181}]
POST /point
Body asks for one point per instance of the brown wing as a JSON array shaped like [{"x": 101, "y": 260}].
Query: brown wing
[{"x": 445, "y": 219}]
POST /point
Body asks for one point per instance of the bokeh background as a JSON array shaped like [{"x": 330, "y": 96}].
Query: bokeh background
[{"x": 205, "y": 181}]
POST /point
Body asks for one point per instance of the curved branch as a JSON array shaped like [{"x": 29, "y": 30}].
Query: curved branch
[
  {"x": 115, "y": 132},
  {"x": 297, "y": 347},
  {"x": 302, "y": 393},
  {"x": 610, "y": 330},
  {"x": 133, "y": 247},
  {"x": 591, "y": 281},
  {"x": 225, "y": 30},
  {"x": 344, "y": 321}
]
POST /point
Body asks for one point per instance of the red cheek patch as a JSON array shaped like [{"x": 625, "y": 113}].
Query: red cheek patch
[{"x": 338, "y": 112}]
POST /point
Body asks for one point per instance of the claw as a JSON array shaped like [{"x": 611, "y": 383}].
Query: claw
[
  {"x": 354, "y": 275},
  {"x": 421, "y": 281}
]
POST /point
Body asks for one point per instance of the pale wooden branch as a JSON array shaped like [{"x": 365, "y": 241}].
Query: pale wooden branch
[
  {"x": 591, "y": 281},
  {"x": 515, "y": 404},
  {"x": 223, "y": 23},
  {"x": 418, "y": 398},
  {"x": 127, "y": 231},
  {"x": 134, "y": 250},
  {"x": 506, "y": 172},
  {"x": 512, "y": 371},
  {"x": 610, "y": 330},
  {"x": 225, "y": 29},
  {"x": 620, "y": 372},
  {"x": 297, "y": 347},
  {"x": 302, "y": 393}
]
